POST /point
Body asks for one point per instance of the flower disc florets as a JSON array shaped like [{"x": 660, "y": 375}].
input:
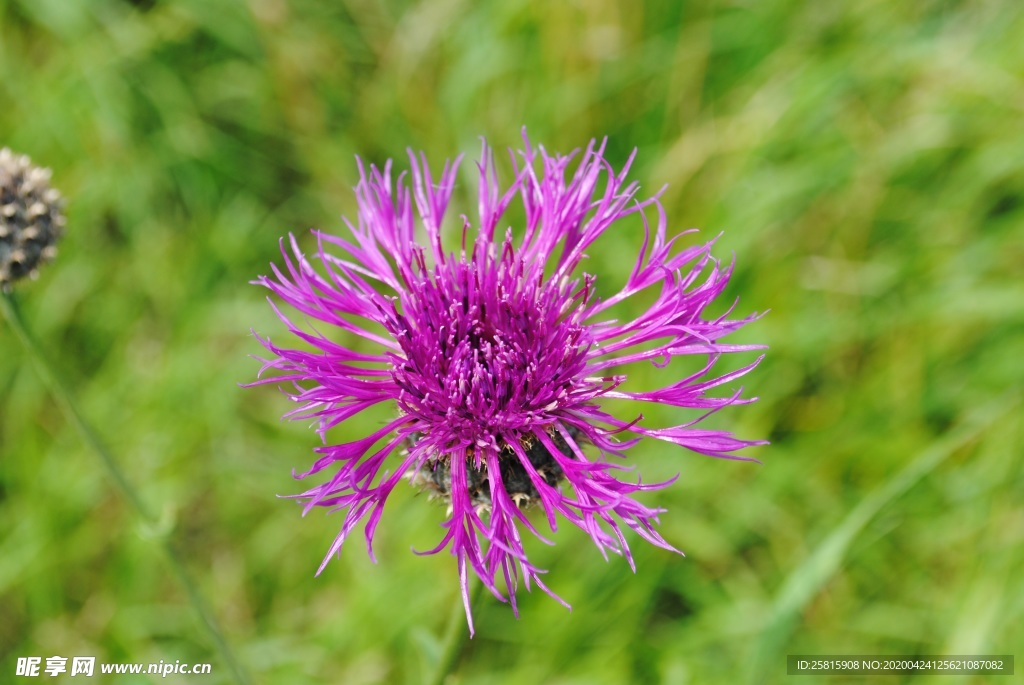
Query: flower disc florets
[
  {"x": 484, "y": 352},
  {"x": 497, "y": 357},
  {"x": 485, "y": 359}
]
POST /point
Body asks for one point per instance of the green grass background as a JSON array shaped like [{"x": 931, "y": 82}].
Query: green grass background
[{"x": 865, "y": 161}]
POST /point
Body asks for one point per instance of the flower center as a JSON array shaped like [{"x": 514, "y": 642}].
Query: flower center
[{"x": 487, "y": 354}]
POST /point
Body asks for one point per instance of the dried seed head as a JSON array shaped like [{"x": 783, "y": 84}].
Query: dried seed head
[{"x": 31, "y": 219}]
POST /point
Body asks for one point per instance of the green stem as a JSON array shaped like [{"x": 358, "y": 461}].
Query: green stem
[
  {"x": 456, "y": 636},
  {"x": 67, "y": 405}
]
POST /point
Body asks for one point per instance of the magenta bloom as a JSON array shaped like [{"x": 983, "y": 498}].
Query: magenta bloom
[{"x": 497, "y": 355}]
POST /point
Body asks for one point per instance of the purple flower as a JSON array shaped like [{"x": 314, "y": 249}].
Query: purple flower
[{"x": 497, "y": 356}]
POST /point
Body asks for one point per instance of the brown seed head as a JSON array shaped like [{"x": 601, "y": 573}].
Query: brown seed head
[{"x": 31, "y": 219}]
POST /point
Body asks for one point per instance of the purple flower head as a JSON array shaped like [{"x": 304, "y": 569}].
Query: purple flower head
[{"x": 497, "y": 356}]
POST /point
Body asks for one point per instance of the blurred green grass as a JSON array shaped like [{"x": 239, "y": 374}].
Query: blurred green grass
[{"x": 864, "y": 161}]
